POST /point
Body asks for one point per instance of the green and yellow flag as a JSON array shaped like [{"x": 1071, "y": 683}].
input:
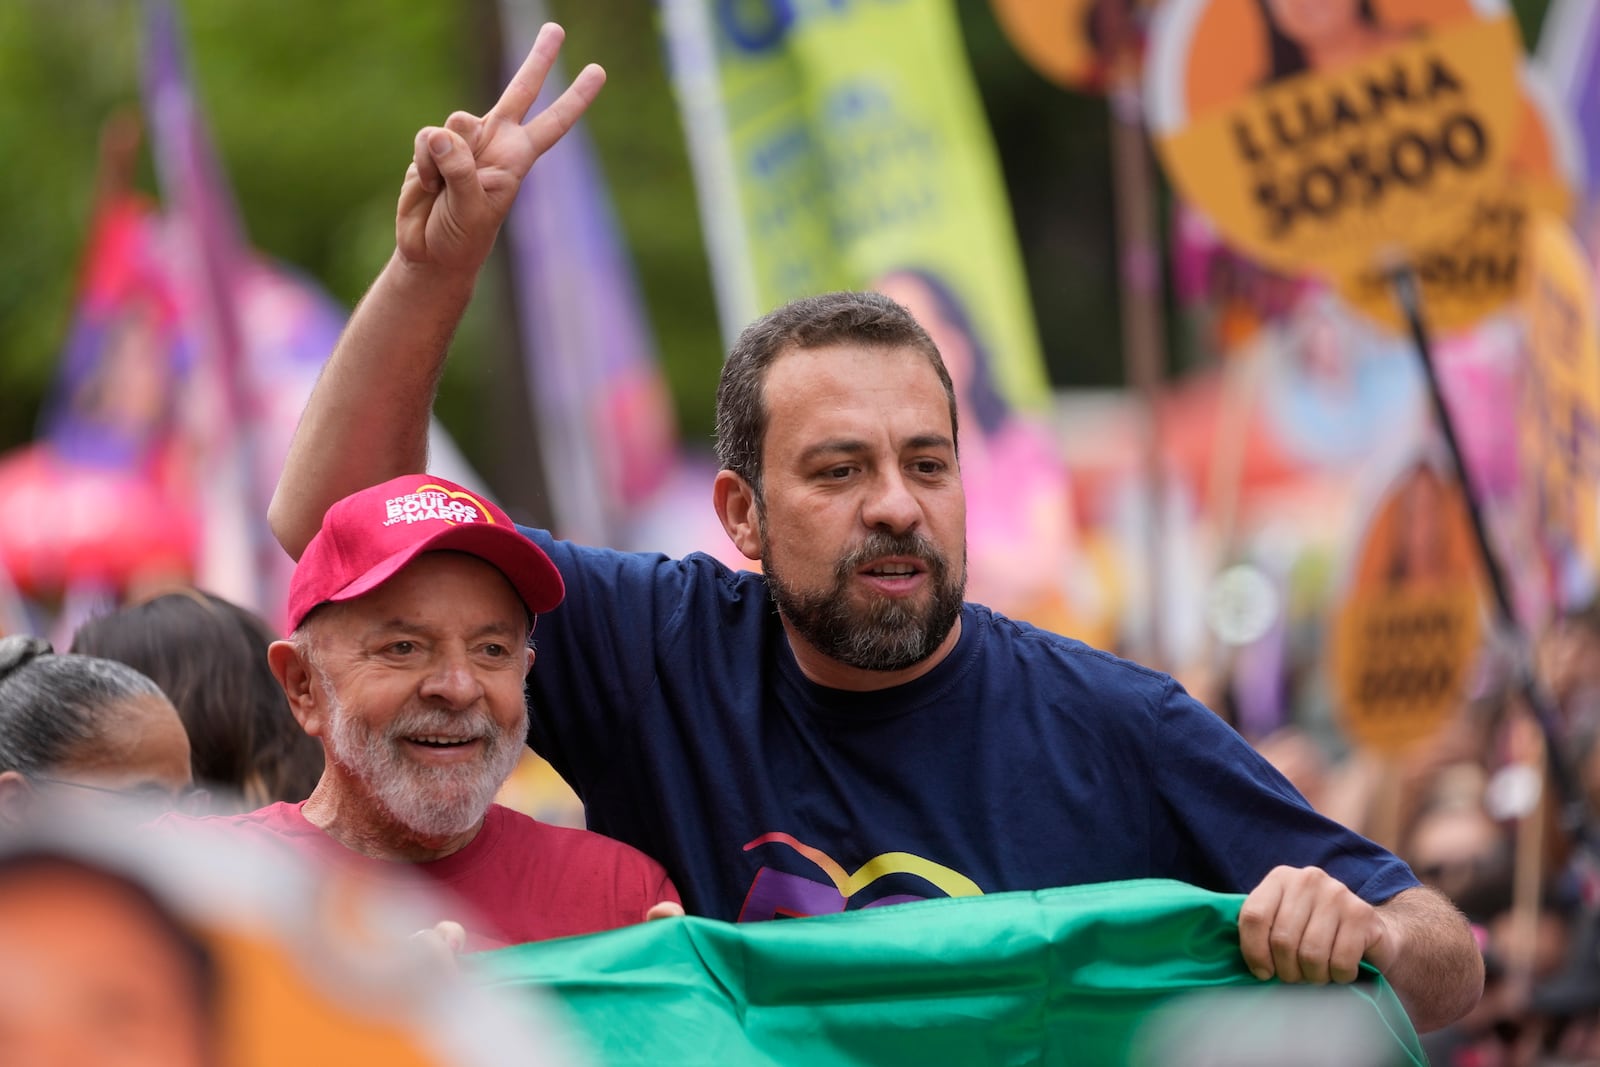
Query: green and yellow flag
[
  {"x": 1141, "y": 973},
  {"x": 841, "y": 145}
]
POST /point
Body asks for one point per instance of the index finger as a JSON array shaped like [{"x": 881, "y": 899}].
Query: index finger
[
  {"x": 517, "y": 100},
  {"x": 1256, "y": 917}
]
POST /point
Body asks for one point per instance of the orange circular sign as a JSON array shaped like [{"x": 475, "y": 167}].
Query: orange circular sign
[
  {"x": 1406, "y": 634},
  {"x": 1480, "y": 269},
  {"x": 1326, "y": 135}
]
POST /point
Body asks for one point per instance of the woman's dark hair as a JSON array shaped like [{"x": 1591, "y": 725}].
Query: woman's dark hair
[
  {"x": 210, "y": 656},
  {"x": 1286, "y": 56},
  {"x": 982, "y": 403},
  {"x": 52, "y": 707}
]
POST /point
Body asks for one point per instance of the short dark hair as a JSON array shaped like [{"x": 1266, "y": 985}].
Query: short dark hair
[
  {"x": 52, "y": 706},
  {"x": 869, "y": 320}
]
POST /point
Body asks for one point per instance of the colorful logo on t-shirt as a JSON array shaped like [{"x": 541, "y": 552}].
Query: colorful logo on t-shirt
[{"x": 776, "y": 894}]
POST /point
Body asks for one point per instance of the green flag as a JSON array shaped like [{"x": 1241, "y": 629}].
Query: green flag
[
  {"x": 1146, "y": 973},
  {"x": 838, "y": 144}
]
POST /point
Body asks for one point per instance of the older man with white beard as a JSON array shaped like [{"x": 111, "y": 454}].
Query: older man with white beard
[{"x": 412, "y": 612}]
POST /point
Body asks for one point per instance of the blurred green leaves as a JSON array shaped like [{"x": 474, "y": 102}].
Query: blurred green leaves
[{"x": 314, "y": 104}]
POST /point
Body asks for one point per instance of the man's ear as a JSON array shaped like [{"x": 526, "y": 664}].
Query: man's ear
[
  {"x": 16, "y": 798},
  {"x": 294, "y": 674},
  {"x": 736, "y": 506}
]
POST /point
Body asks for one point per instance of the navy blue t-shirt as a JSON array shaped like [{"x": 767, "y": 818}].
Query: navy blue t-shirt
[{"x": 666, "y": 693}]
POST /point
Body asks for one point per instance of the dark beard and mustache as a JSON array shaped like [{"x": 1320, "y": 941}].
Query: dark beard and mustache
[{"x": 886, "y": 635}]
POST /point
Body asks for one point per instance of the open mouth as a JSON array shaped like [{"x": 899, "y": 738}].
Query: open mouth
[
  {"x": 892, "y": 569},
  {"x": 443, "y": 743}
]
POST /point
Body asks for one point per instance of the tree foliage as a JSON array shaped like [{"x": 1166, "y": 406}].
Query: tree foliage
[{"x": 314, "y": 105}]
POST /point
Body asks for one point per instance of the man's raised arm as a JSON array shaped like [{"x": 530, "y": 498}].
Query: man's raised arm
[{"x": 367, "y": 418}]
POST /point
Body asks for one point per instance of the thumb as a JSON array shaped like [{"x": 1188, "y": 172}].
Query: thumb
[
  {"x": 1383, "y": 943},
  {"x": 453, "y": 157},
  {"x": 667, "y": 909}
]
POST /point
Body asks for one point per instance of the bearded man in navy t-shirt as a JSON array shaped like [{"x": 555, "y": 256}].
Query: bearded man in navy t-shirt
[{"x": 842, "y": 730}]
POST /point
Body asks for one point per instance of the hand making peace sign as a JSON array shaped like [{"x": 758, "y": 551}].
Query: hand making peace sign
[{"x": 464, "y": 175}]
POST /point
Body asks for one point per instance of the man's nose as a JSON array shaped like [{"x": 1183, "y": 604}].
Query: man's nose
[
  {"x": 891, "y": 505},
  {"x": 452, "y": 680}
]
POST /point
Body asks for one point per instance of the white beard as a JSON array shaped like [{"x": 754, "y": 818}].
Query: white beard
[{"x": 431, "y": 801}]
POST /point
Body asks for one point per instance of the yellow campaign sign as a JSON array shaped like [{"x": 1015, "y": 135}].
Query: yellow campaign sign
[
  {"x": 1405, "y": 636},
  {"x": 1562, "y": 402},
  {"x": 1479, "y": 270},
  {"x": 1332, "y": 142}
]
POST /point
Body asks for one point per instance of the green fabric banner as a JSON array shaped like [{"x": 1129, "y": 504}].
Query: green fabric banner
[
  {"x": 837, "y": 142},
  {"x": 1145, "y": 973}
]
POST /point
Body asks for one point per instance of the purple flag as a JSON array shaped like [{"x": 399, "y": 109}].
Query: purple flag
[
  {"x": 605, "y": 420},
  {"x": 209, "y": 255},
  {"x": 1569, "y": 52}
]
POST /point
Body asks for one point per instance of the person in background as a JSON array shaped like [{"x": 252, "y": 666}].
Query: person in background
[
  {"x": 1322, "y": 35},
  {"x": 98, "y": 971},
  {"x": 413, "y": 611},
  {"x": 79, "y": 728},
  {"x": 210, "y": 657}
]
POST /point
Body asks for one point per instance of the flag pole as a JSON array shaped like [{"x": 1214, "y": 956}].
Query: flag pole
[
  {"x": 1139, "y": 289},
  {"x": 1573, "y": 808}
]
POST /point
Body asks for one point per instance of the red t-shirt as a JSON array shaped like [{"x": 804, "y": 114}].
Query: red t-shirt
[{"x": 517, "y": 880}]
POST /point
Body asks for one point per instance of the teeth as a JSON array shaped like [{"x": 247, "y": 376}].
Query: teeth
[
  {"x": 894, "y": 570},
  {"x": 437, "y": 740}
]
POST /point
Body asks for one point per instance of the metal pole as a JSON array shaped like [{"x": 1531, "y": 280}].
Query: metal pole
[
  {"x": 1139, "y": 263},
  {"x": 1574, "y": 810}
]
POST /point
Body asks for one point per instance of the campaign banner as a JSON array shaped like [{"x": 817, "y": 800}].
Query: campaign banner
[
  {"x": 607, "y": 430},
  {"x": 1480, "y": 269},
  {"x": 1408, "y": 628},
  {"x": 1569, "y": 51},
  {"x": 107, "y": 467},
  {"x": 1232, "y": 298},
  {"x": 836, "y": 144},
  {"x": 1143, "y": 973},
  {"x": 207, "y": 254},
  {"x": 1328, "y": 137},
  {"x": 1075, "y": 43},
  {"x": 1561, "y": 409}
]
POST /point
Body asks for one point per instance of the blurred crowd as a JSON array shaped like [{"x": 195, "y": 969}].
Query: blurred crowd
[{"x": 1496, "y": 811}]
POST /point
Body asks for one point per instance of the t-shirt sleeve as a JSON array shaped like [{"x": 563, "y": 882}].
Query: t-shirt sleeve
[
  {"x": 596, "y": 655},
  {"x": 1242, "y": 818}
]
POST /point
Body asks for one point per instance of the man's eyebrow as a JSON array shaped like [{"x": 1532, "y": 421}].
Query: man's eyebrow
[
  {"x": 412, "y": 626},
  {"x": 847, "y": 446},
  {"x": 838, "y": 446},
  {"x": 491, "y": 629},
  {"x": 929, "y": 440}
]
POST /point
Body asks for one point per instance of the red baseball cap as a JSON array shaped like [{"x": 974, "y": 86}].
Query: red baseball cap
[{"x": 367, "y": 537}]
